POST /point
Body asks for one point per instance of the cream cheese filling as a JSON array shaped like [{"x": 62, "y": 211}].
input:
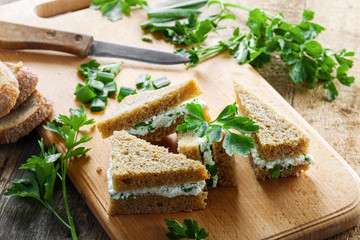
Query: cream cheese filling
[
  {"x": 164, "y": 119},
  {"x": 207, "y": 157},
  {"x": 288, "y": 162},
  {"x": 166, "y": 191}
]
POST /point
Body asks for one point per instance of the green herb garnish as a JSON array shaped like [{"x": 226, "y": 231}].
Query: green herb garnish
[
  {"x": 212, "y": 170},
  {"x": 146, "y": 38},
  {"x": 227, "y": 119},
  {"x": 99, "y": 83},
  {"x": 275, "y": 172},
  {"x": 44, "y": 168},
  {"x": 309, "y": 62},
  {"x": 190, "y": 230},
  {"x": 143, "y": 84},
  {"x": 113, "y": 9}
]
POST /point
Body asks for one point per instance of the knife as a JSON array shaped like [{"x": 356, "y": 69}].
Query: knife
[{"x": 17, "y": 36}]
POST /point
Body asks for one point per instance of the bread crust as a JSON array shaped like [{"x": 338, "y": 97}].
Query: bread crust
[
  {"x": 9, "y": 90},
  {"x": 157, "y": 204},
  {"x": 22, "y": 120},
  {"x": 265, "y": 174},
  {"x": 140, "y": 107}
]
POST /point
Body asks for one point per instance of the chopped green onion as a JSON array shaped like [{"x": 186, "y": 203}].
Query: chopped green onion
[
  {"x": 125, "y": 91},
  {"x": 96, "y": 84},
  {"x": 103, "y": 95},
  {"x": 113, "y": 68},
  {"x": 161, "y": 82},
  {"x": 146, "y": 88},
  {"x": 85, "y": 93},
  {"x": 146, "y": 38},
  {"x": 105, "y": 77},
  {"x": 80, "y": 85},
  {"x": 143, "y": 80},
  {"x": 97, "y": 105},
  {"x": 110, "y": 87}
]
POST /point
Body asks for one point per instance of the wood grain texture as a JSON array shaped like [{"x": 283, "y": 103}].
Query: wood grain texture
[{"x": 307, "y": 99}]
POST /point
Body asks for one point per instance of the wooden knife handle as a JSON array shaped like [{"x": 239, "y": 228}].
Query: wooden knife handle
[{"x": 17, "y": 36}]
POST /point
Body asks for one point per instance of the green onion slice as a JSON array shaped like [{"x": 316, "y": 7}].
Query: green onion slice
[
  {"x": 161, "y": 82},
  {"x": 125, "y": 91}
]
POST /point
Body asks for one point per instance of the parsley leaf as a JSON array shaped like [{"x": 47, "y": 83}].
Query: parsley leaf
[
  {"x": 113, "y": 9},
  {"x": 190, "y": 230},
  {"x": 227, "y": 119},
  {"x": 45, "y": 167}
]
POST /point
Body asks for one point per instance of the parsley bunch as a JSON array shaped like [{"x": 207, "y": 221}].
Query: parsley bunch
[
  {"x": 308, "y": 61},
  {"x": 45, "y": 167},
  {"x": 113, "y": 9},
  {"x": 190, "y": 230},
  {"x": 227, "y": 119}
]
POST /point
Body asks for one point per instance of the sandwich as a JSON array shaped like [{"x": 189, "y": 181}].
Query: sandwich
[
  {"x": 220, "y": 166},
  {"x": 154, "y": 114},
  {"x": 281, "y": 147},
  {"x": 23, "y": 119},
  {"x": 144, "y": 178}
]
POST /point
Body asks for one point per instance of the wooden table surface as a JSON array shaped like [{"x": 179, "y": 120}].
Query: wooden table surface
[{"x": 338, "y": 122}]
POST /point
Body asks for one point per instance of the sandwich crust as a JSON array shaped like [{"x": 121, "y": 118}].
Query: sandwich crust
[
  {"x": 137, "y": 164},
  {"x": 140, "y": 107},
  {"x": 157, "y": 204},
  {"x": 278, "y": 137}
]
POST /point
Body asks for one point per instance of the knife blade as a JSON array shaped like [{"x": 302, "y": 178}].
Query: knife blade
[{"x": 18, "y": 36}]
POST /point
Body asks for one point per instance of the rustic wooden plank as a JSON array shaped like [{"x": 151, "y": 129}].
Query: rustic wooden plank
[{"x": 288, "y": 90}]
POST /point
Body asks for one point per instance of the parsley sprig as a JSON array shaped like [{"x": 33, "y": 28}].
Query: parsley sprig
[
  {"x": 227, "y": 119},
  {"x": 309, "y": 62},
  {"x": 190, "y": 230},
  {"x": 114, "y": 9},
  {"x": 45, "y": 167}
]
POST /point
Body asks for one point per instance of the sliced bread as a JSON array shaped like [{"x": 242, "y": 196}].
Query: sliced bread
[
  {"x": 140, "y": 107},
  {"x": 22, "y": 120},
  {"x": 27, "y": 81},
  {"x": 9, "y": 89}
]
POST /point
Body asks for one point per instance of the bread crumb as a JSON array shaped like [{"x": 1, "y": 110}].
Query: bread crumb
[{"x": 99, "y": 170}]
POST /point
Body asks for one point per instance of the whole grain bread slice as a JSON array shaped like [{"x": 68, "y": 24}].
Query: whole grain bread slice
[
  {"x": 137, "y": 164},
  {"x": 27, "y": 81},
  {"x": 22, "y": 120},
  {"x": 9, "y": 89},
  {"x": 278, "y": 137},
  {"x": 157, "y": 204},
  {"x": 140, "y": 107},
  {"x": 188, "y": 145}
]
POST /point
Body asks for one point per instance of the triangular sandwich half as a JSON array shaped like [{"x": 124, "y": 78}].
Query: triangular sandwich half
[
  {"x": 220, "y": 166},
  {"x": 281, "y": 146},
  {"x": 144, "y": 178},
  {"x": 154, "y": 114}
]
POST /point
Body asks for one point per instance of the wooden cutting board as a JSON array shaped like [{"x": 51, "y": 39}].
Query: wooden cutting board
[{"x": 318, "y": 204}]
